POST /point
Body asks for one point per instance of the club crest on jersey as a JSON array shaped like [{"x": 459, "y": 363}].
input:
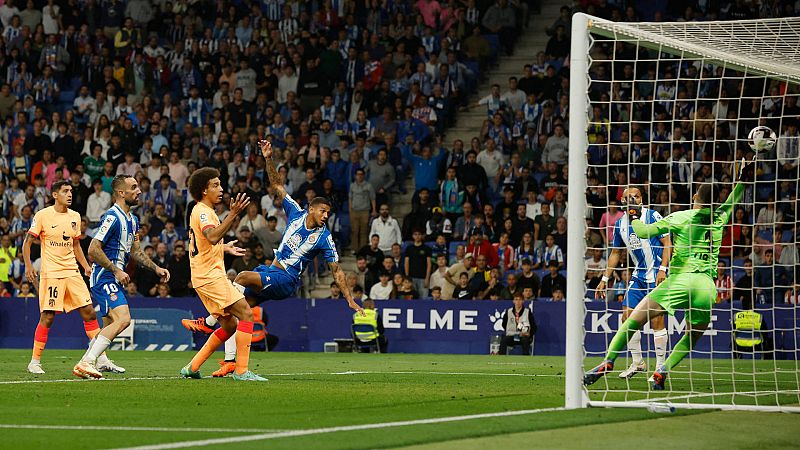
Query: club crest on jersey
[{"x": 312, "y": 239}]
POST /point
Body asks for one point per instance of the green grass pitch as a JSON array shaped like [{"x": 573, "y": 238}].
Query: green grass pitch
[{"x": 310, "y": 393}]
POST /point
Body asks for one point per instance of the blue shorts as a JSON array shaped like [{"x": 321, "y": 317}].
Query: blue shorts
[
  {"x": 276, "y": 284},
  {"x": 109, "y": 295},
  {"x": 637, "y": 289}
]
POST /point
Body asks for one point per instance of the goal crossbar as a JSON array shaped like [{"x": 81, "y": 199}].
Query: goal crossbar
[{"x": 772, "y": 47}]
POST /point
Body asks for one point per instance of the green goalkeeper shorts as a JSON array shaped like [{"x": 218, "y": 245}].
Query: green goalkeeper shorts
[{"x": 693, "y": 292}]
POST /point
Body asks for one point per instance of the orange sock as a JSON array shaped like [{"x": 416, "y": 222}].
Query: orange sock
[
  {"x": 92, "y": 328},
  {"x": 244, "y": 336},
  {"x": 214, "y": 341},
  {"x": 39, "y": 341}
]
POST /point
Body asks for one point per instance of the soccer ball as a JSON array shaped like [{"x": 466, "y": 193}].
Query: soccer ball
[{"x": 761, "y": 139}]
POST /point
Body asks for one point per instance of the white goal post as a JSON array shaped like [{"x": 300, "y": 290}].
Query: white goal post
[{"x": 752, "y": 49}]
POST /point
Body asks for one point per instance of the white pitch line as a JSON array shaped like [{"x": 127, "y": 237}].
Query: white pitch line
[
  {"x": 81, "y": 380},
  {"x": 295, "y": 374},
  {"x": 369, "y": 426},
  {"x": 114, "y": 428}
]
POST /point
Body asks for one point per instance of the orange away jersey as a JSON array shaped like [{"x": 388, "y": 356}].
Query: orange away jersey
[
  {"x": 56, "y": 231},
  {"x": 206, "y": 260}
]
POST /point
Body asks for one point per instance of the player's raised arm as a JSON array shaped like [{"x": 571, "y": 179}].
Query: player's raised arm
[
  {"x": 341, "y": 281},
  {"x": 275, "y": 180},
  {"x": 644, "y": 230},
  {"x": 215, "y": 234},
  {"x": 141, "y": 258}
]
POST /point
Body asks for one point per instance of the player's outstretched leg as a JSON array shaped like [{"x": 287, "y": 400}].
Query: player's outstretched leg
[
  {"x": 681, "y": 350},
  {"x": 645, "y": 309},
  {"x": 203, "y": 325},
  {"x": 39, "y": 341}
]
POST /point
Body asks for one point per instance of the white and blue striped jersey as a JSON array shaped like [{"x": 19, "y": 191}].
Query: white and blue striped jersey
[
  {"x": 646, "y": 254},
  {"x": 116, "y": 233},
  {"x": 300, "y": 245}
]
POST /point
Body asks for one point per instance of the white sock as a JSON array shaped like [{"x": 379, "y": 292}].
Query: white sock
[
  {"x": 661, "y": 340},
  {"x": 635, "y": 347},
  {"x": 35, "y": 361},
  {"x": 100, "y": 345},
  {"x": 86, "y": 353},
  {"x": 230, "y": 348},
  {"x": 211, "y": 321},
  {"x": 239, "y": 287}
]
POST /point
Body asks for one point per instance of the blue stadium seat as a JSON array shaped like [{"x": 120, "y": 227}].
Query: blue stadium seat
[
  {"x": 766, "y": 235},
  {"x": 67, "y": 96},
  {"x": 494, "y": 44},
  {"x": 539, "y": 176},
  {"x": 766, "y": 177},
  {"x": 787, "y": 236},
  {"x": 738, "y": 262}
]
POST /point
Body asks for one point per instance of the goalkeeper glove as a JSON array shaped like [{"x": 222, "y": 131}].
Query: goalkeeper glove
[
  {"x": 634, "y": 210},
  {"x": 743, "y": 164}
]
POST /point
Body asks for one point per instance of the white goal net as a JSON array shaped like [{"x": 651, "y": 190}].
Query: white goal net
[{"x": 668, "y": 107}]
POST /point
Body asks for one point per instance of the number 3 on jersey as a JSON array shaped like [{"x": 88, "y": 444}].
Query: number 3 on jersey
[{"x": 192, "y": 244}]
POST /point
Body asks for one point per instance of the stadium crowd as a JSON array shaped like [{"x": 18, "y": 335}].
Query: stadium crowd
[{"x": 358, "y": 96}]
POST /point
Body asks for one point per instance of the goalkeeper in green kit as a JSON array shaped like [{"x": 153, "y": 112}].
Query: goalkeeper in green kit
[{"x": 696, "y": 238}]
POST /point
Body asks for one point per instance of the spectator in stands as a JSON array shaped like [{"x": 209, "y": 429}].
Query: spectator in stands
[
  {"x": 608, "y": 220},
  {"x": 372, "y": 254},
  {"x": 178, "y": 267},
  {"x": 527, "y": 278},
  {"x": 381, "y": 176},
  {"x": 361, "y": 205},
  {"x": 417, "y": 263},
  {"x": 472, "y": 173},
  {"x": 543, "y": 224},
  {"x": 383, "y": 289},
  {"x": 523, "y": 224},
  {"x": 437, "y": 278},
  {"x": 97, "y": 204},
  {"x": 505, "y": 254},
  {"x": 464, "y": 222},
  {"x": 553, "y": 281},
  {"x": 336, "y": 293},
  {"x": 437, "y": 224},
  {"x": 479, "y": 247},
  {"x": 764, "y": 279},
  {"x": 463, "y": 291},
  {"x": 724, "y": 283},
  {"x": 595, "y": 264},
  {"x": 453, "y": 273},
  {"x": 405, "y": 289},
  {"x": 386, "y": 228}
]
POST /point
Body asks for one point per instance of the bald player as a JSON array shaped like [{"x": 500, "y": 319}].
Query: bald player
[{"x": 650, "y": 258}]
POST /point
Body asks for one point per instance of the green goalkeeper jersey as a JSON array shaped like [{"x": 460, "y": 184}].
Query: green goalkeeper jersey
[{"x": 696, "y": 235}]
